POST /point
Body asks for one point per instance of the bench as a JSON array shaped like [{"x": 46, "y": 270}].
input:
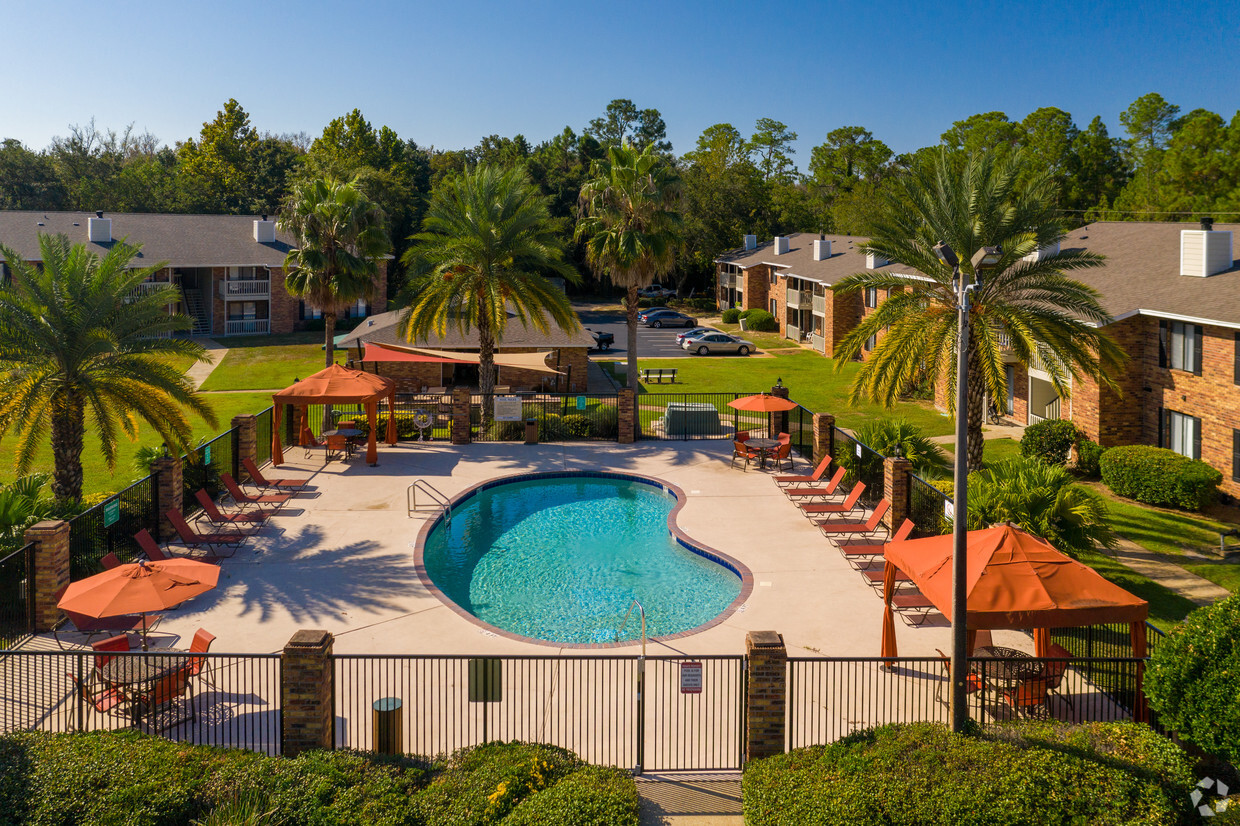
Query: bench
[{"x": 658, "y": 374}]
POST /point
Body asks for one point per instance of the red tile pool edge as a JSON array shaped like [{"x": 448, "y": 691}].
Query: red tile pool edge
[{"x": 718, "y": 557}]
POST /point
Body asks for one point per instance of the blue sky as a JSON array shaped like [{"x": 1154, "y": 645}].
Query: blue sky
[{"x": 446, "y": 74}]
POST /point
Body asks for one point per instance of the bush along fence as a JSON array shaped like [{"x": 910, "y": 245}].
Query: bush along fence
[{"x": 659, "y": 713}]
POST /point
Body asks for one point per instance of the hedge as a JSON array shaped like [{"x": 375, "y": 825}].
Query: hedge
[
  {"x": 1088, "y": 455},
  {"x": 1049, "y": 440},
  {"x": 1159, "y": 476},
  {"x": 102, "y": 778},
  {"x": 731, "y": 315},
  {"x": 760, "y": 320},
  {"x": 1030, "y": 773}
]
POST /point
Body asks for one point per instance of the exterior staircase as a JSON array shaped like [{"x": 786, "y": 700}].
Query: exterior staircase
[{"x": 197, "y": 311}]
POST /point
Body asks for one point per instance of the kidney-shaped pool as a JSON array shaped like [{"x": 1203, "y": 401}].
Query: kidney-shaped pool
[{"x": 560, "y": 557}]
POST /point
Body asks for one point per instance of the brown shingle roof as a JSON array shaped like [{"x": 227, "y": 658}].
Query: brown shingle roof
[
  {"x": 845, "y": 259},
  {"x": 181, "y": 240},
  {"x": 382, "y": 329}
]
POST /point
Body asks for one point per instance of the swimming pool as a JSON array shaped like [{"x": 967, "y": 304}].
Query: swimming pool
[{"x": 558, "y": 557}]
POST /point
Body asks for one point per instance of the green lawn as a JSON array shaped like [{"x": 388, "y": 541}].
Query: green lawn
[
  {"x": 1167, "y": 608},
  {"x": 268, "y": 362},
  {"x": 97, "y": 477},
  {"x": 812, "y": 380},
  {"x": 993, "y": 450}
]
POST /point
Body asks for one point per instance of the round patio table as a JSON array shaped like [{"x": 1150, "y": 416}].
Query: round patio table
[
  {"x": 763, "y": 445},
  {"x": 1008, "y": 666},
  {"x": 132, "y": 670},
  {"x": 351, "y": 434}
]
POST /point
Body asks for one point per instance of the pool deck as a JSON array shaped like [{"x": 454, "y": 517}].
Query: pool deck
[{"x": 340, "y": 557}]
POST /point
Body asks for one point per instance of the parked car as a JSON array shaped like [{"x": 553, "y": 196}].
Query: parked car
[
  {"x": 602, "y": 341},
  {"x": 670, "y": 318},
  {"x": 696, "y": 332},
  {"x": 656, "y": 291},
  {"x": 718, "y": 343},
  {"x": 641, "y": 314}
]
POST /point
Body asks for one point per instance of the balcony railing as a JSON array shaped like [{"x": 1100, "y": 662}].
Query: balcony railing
[
  {"x": 249, "y": 287},
  {"x": 820, "y": 305},
  {"x": 148, "y": 287},
  {"x": 798, "y": 299},
  {"x": 247, "y": 326}
]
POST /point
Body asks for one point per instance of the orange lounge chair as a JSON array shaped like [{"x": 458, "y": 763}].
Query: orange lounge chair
[
  {"x": 154, "y": 553},
  {"x": 812, "y": 479},
  {"x": 865, "y": 551},
  {"x": 241, "y": 498},
  {"x": 259, "y": 481},
  {"x": 218, "y": 517},
  {"x": 834, "y": 509},
  {"x": 110, "y": 561},
  {"x": 810, "y": 492},
  {"x": 871, "y": 526},
  {"x": 193, "y": 539},
  {"x": 913, "y": 607}
]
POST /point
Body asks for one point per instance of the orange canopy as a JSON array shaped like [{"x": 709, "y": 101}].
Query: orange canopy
[
  {"x": 336, "y": 385},
  {"x": 762, "y": 403}
]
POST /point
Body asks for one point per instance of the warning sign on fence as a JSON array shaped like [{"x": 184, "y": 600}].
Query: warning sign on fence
[{"x": 690, "y": 678}]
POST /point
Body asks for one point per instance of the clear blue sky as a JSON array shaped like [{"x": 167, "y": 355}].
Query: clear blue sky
[{"x": 446, "y": 74}]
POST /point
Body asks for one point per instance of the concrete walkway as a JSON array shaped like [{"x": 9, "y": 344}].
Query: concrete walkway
[
  {"x": 199, "y": 371},
  {"x": 690, "y": 799},
  {"x": 990, "y": 431},
  {"x": 1167, "y": 574}
]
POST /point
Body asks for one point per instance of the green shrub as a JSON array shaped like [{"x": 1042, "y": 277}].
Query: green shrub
[
  {"x": 731, "y": 316},
  {"x": 1159, "y": 476},
  {"x": 605, "y": 423},
  {"x": 1101, "y": 773},
  {"x": 1049, "y": 440},
  {"x": 1088, "y": 454},
  {"x": 1191, "y": 680},
  {"x": 576, "y": 426},
  {"x": 884, "y": 436},
  {"x": 760, "y": 320},
  {"x": 592, "y": 796}
]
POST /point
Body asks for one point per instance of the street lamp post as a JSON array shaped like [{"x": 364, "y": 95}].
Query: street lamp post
[{"x": 984, "y": 259}]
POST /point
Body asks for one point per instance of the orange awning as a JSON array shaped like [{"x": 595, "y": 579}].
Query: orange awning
[{"x": 384, "y": 352}]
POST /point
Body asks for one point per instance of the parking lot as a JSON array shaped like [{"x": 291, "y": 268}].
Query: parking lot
[{"x": 651, "y": 343}]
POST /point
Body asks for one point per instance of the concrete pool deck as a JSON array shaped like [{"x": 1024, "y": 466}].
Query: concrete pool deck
[{"x": 341, "y": 558}]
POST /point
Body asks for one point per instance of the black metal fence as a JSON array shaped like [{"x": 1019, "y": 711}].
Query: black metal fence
[
  {"x": 228, "y": 700},
  {"x": 262, "y": 436},
  {"x": 801, "y": 429},
  {"x": 561, "y": 418},
  {"x": 928, "y": 508},
  {"x": 109, "y": 527},
  {"x": 16, "y": 592},
  {"x": 202, "y": 466},
  {"x": 686, "y": 416},
  {"x": 862, "y": 463}
]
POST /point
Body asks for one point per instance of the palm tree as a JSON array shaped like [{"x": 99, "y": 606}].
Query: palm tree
[
  {"x": 886, "y": 435},
  {"x": 340, "y": 236},
  {"x": 486, "y": 249},
  {"x": 630, "y": 225},
  {"x": 1045, "y": 317},
  {"x": 78, "y": 341}
]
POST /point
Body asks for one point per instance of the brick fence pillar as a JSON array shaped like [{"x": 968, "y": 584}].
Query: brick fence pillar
[
  {"x": 51, "y": 569},
  {"x": 247, "y": 443},
  {"x": 306, "y": 693},
  {"x": 766, "y": 694},
  {"x": 171, "y": 491},
  {"x": 627, "y": 415},
  {"x": 779, "y": 421},
  {"x": 896, "y": 470},
  {"x": 824, "y": 436},
  {"x": 460, "y": 415}
]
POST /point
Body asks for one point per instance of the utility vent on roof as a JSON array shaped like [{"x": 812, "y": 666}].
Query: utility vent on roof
[
  {"x": 1042, "y": 252},
  {"x": 265, "y": 231},
  {"x": 99, "y": 229},
  {"x": 1204, "y": 252},
  {"x": 781, "y": 245},
  {"x": 751, "y": 242},
  {"x": 873, "y": 262},
  {"x": 822, "y": 250}
]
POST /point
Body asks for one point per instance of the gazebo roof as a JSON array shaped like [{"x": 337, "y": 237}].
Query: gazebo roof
[{"x": 335, "y": 385}]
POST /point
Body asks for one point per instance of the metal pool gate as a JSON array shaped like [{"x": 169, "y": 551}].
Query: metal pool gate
[{"x": 651, "y": 714}]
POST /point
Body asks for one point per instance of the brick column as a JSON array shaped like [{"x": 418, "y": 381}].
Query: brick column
[
  {"x": 460, "y": 415},
  {"x": 247, "y": 443},
  {"x": 766, "y": 694},
  {"x": 824, "y": 435},
  {"x": 896, "y": 470},
  {"x": 627, "y": 416},
  {"x": 171, "y": 491},
  {"x": 779, "y": 420},
  {"x": 51, "y": 569},
  {"x": 306, "y": 693}
]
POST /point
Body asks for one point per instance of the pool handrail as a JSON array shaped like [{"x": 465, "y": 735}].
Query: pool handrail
[
  {"x": 436, "y": 495},
  {"x": 641, "y": 610}
]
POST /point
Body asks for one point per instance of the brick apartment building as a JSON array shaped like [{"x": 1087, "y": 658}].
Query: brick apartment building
[
  {"x": 1173, "y": 291},
  {"x": 226, "y": 272}
]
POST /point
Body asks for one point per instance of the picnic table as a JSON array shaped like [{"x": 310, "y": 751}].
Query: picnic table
[{"x": 658, "y": 374}]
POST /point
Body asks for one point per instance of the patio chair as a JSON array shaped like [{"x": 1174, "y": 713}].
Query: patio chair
[
  {"x": 742, "y": 435},
  {"x": 973, "y": 683},
  {"x": 117, "y": 644},
  {"x": 110, "y": 561},
  {"x": 1029, "y": 698},
  {"x": 94, "y": 626},
  {"x": 850, "y": 504},
  {"x": 822, "y": 492},
  {"x": 163, "y": 694},
  {"x": 871, "y": 527},
  {"x": 739, "y": 451},
  {"x": 200, "y": 645},
  {"x": 865, "y": 551},
  {"x": 259, "y": 481},
  {"x": 218, "y": 517},
  {"x": 783, "y": 453},
  {"x": 154, "y": 553},
  {"x": 812, "y": 479},
  {"x": 193, "y": 539},
  {"x": 784, "y": 438},
  {"x": 242, "y": 499},
  {"x": 103, "y": 699},
  {"x": 1056, "y": 671}
]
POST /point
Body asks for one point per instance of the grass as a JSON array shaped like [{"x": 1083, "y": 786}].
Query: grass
[
  {"x": 97, "y": 477},
  {"x": 269, "y": 365},
  {"x": 1167, "y": 608},
  {"x": 993, "y": 450}
]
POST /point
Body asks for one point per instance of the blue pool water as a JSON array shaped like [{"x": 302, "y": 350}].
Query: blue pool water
[{"x": 560, "y": 559}]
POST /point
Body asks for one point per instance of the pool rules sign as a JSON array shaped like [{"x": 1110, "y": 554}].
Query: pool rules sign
[{"x": 691, "y": 678}]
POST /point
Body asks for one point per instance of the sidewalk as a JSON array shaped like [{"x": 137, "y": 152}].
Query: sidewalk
[
  {"x": 199, "y": 371},
  {"x": 1167, "y": 574},
  {"x": 690, "y": 799}
]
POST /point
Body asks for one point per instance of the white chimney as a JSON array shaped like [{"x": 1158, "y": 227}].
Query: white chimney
[
  {"x": 822, "y": 250},
  {"x": 1204, "y": 252},
  {"x": 873, "y": 262},
  {"x": 99, "y": 229},
  {"x": 751, "y": 242},
  {"x": 265, "y": 231},
  {"x": 1042, "y": 252},
  {"x": 781, "y": 244}
]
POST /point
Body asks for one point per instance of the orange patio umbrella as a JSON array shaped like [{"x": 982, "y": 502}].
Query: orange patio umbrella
[
  {"x": 336, "y": 385},
  {"x": 763, "y": 403},
  {"x": 139, "y": 588}
]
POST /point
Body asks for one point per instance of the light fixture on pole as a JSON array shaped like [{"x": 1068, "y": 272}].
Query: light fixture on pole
[{"x": 985, "y": 258}]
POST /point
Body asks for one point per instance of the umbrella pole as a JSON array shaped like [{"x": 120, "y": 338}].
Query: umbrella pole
[{"x": 143, "y": 630}]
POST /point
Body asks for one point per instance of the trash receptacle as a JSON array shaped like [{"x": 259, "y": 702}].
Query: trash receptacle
[
  {"x": 388, "y": 726},
  {"x": 531, "y": 431}
]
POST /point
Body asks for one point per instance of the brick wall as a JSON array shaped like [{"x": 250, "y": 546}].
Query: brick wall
[
  {"x": 844, "y": 316},
  {"x": 1020, "y": 402},
  {"x": 766, "y": 694},
  {"x": 306, "y": 692},
  {"x": 51, "y": 569},
  {"x": 780, "y": 294},
  {"x": 757, "y": 288},
  {"x": 284, "y": 307},
  {"x": 218, "y": 313}
]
